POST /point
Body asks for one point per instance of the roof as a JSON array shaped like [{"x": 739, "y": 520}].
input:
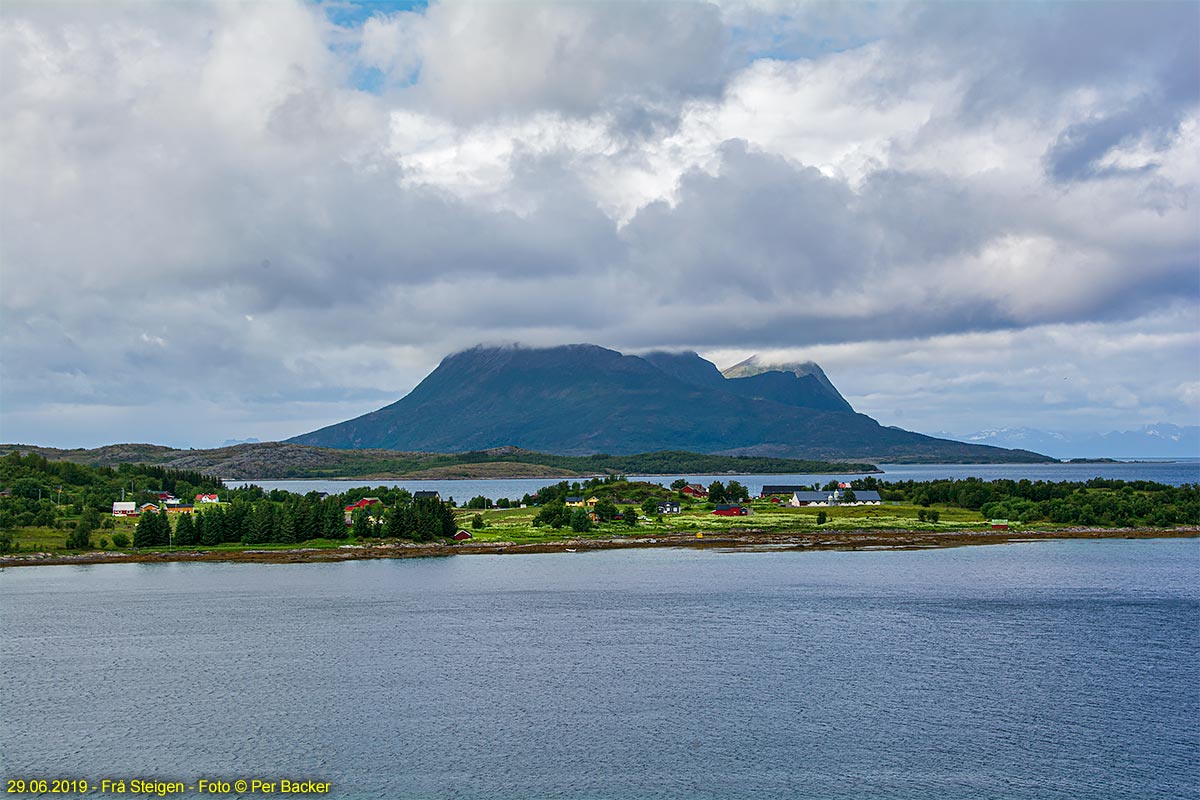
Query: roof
[
  {"x": 812, "y": 497},
  {"x": 574, "y": 499},
  {"x": 861, "y": 495},
  {"x": 426, "y": 494},
  {"x": 772, "y": 488}
]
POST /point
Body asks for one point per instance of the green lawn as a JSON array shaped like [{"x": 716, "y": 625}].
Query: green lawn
[{"x": 516, "y": 525}]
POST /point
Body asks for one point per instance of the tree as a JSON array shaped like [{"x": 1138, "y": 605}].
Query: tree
[
  {"x": 286, "y": 529},
  {"x": 146, "y": 533},
  {"x": 822, "y": 517},
  {"x": 630, "y": 517},
  {"x": 650, "y": 505},
  {"x": 933, "y": 516},
  {"x": 120, "y": 540},
  {"x": 679, "y": 483},
  {"x": 736, "y": 492},
  {"x": 606, "y": 510},
  {"x": 717, "y": 493},
  {"x": 580, "y": 521},
  {"x": 333, "y": 518},
  {"x": 163, "y": 524},
  {"x": 477, "y": 522},
  {"x": 554, "y": 514},
  {"x": 361, "y": 525},
  {"x": 185, "y": 531},
  {"x": 78, "y": 539},
  {"x": 848, "y": 496}
]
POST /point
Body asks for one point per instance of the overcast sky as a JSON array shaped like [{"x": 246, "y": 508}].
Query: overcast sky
[{"x": 251, "y": 220}]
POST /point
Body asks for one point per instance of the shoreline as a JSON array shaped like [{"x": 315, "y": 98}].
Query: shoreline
[{"x": 750, "y": 541}]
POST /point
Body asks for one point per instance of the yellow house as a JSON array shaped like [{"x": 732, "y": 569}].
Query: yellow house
[
  {"x": 574, "y": 502},
  {"x": 591, "y": 503}
]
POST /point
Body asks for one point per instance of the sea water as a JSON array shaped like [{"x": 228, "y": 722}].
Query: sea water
[{"x": 1043, "y": 670}]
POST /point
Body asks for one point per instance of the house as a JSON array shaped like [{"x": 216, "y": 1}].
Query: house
[
  {"x": 148, "y": 508},
  {"x": 694, "y": 490},
  {"x": 862, "y": 497},
  {"x": 726, "y": 510},
  {"x": 574, "y": 502},
  {"x": 835, "y": 498},
  {"x": 363, "y": 503},
  {"x": 207, "y": 498},
  {"x": 771, "y": 490},
  {"x": 462, "y": 536},
  {"x": 809, "y": 498},
  {"x": 591, "y": 501},
  {"x": 165, "y": 496},
  {"x": 125, "y": 509},
  {"x": 669, "y": 507},
  {"x": 426, "y": 494},
  {"x": 178, "y": 508},
  {"x": 999, "y": 524}
]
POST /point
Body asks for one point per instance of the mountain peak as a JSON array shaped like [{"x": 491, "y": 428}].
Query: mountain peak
[{"x": 582, "y": 398}]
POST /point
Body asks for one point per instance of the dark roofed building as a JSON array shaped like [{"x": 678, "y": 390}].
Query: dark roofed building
[
  {"x": 773, "y": 489},
  {"x": 427, "y": 495}
]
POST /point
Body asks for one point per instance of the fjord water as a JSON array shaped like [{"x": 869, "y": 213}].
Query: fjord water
[
  {"x": 1041, "y": 670},
  {"x": 1174, "y": 473}
]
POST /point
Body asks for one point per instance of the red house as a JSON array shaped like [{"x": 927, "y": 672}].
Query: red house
[
  {"x": 366, "y": 501},
  {"x": 694, "y": 490},
  {"x": 462, "y": 536},
  {"x": 724, "y": 510}
]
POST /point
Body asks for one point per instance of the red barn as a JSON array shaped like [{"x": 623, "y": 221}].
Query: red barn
[
  {"x": 694, "y": 490},
  {"x": 731, "y": 511},
  {"x": 462, "y": 536}
]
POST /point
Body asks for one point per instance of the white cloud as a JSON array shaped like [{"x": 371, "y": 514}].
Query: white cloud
[{"x": 201, "y": 206}]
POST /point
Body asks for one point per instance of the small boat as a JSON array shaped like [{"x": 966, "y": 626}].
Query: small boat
[{"x": 569, "y": 550}]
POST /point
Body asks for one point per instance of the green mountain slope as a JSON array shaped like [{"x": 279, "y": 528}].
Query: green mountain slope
[{"x": 581, "y": 399}]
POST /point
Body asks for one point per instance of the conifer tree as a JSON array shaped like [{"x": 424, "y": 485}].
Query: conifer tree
[
  {"x": 185, "y": 531},
  {"x": 146, "y": 532}
]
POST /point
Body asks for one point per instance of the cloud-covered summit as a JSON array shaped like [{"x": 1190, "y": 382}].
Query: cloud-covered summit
[{"x": 240, "y": 220}]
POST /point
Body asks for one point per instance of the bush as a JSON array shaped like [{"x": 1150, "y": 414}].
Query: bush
[
  {"x": 120, "y": 540},
  {"x": 822, "y": 517},
  {"x": 78, "y": 538},
  {"x": 477, "y": 522},
  {"x": 580, "y": 521},
  {"x": 933, "y": 516}
]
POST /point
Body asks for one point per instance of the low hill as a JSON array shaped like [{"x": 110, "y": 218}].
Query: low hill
[
  {"x": 582, "y": 399},
  {"x": 278, "y": 460}
]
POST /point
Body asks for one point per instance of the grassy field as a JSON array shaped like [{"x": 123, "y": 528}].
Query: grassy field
[{"x": 516, "y": 526}]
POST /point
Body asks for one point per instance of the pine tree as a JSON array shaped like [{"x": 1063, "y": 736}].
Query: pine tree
[
  {"x": 287, "y": 525},
  {"x": 146, "y": 532},
  {"x": 162, "y": 529},
  {"x": 211, "y": 524},
  {"x": 185, "y": 531},
  {"x": 334, "y": 522}
]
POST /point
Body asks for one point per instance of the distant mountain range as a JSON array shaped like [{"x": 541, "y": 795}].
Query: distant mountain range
[
  {"x": 583, "y": 399},
  {"x": 1149, "y": 441}
]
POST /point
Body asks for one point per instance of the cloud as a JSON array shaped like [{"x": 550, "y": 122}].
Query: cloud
[{"x": 206, "y": 207}]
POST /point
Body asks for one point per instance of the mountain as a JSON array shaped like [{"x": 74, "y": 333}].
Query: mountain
[
  {"x": 1150, "y": 441},
  {"x": 582, "y": 399}
]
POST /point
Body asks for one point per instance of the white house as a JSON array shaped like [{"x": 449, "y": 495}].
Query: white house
[
  {"x": 125, "y": 509},
  {"x": 864, "y": 497}
]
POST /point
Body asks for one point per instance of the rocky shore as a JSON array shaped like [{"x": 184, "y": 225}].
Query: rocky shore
[{"x": 730, "y": 540}]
